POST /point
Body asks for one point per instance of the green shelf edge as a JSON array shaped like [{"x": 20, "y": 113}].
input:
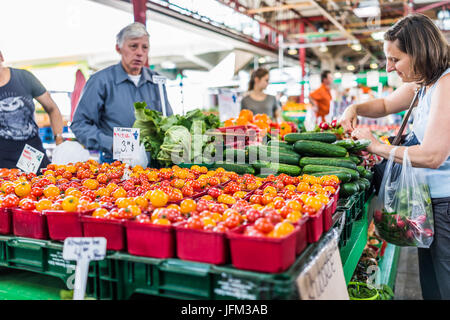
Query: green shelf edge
[
  {"x": 351, "y": 253},
  {"x": 388, "y": 266}
]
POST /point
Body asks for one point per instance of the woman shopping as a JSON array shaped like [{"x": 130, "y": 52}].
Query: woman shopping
[
  {"x": 256, "y": 100},
  {"x": 18, "y": 88},
  {"x": 418, "y": 51}
]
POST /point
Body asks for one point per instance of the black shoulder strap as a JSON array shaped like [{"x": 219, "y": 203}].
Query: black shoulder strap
[{"x": 406, "y": 117}]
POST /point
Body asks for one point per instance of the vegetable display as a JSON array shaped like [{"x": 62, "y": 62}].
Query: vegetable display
[{"x": 174, "y": 135}]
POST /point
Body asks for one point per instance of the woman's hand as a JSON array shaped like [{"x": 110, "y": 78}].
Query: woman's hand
[
  {"x": 349, "y": 118},
  {"x": 364, "y": 133}
]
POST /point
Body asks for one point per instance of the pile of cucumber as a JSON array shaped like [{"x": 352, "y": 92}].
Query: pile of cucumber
[{"x": 315, "y": 153}]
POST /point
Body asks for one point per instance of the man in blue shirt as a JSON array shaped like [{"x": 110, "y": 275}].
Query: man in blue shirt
[{"x": 108, "y": 96}]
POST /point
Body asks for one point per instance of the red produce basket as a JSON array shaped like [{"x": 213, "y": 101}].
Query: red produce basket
[
  {"x": 5, "y": 221},
  {"x": 336, "y": 198},
  {"x": 302, "y": 242},
  {"x": 263, "y": 254},
  {"x": 112, "y": 229},
  {"x": 201, "y": 245},
  {"x": 240, "y": 136},
  {"x": 62, "y": 224},
  {"x": 328, "y": 215},
  {"x": 30, "y": 224},
  {"x": 150, "y": 240},
  {"x": 315, "y": 226}
]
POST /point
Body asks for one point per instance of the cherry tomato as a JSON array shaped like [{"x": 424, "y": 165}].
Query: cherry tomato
[
  {"x": 23, "y": 189},
  {"x": 11, "y": 201},
  {"x": 263, "y": 225},
  {"x": 194, "y": 223},
  {"x": 232, "y": 221},
  {"x": 215, "y": 192}
]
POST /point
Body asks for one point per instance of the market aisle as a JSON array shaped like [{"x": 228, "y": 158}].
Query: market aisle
[{"x": 407, "y": 284}]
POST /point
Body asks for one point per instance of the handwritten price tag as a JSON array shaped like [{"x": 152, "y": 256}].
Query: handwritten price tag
[
  {"x": 30, "y": 159},
  {"x": 125, "y": 143},
  {"x": 83, "y": 250},
  {"x": 160, "y": 81}
]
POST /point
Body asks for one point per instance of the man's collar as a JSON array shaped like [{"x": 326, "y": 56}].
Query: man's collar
[{"x": 121, "y": 75}]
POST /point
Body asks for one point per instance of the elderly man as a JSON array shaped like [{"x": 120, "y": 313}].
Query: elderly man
[{"x": 108, "y": 96}]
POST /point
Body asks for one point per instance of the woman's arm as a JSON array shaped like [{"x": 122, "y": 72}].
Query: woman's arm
[
  {"x": 397, "y": 101},
  {"x": 435, "y": 147},
  {"x": 56, "y": 120}
]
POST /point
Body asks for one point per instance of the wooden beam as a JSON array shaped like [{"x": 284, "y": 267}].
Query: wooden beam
[{"x": 303, "y": 4}]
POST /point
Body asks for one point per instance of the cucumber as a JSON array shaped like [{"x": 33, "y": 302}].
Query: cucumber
[
  {"x": 361, "y": 184},
  {"x": 346, "y": 143},
  {"x": 319, "y": 148},
  {"x": 336, "y": 162},
  {"x": 311, "y": 136},
  {"x": 235, "y": 154},
  {"x": 368, "y": 175},
  {"x": 258, "y": 164},
  {"x": 348, "y": 189},
  {"x": 344, "y": 177},
  {"x": 238, "y": 168},
  {"x": 280, "y": 144},
  {"x": 354, "y": 158},
  {"x": 366, "y": 182},
  {"x": 312, "y": 168},
  {"x": 361, "y": 170},
  {"x": 288, "y": 169},
  {"x": 273, "y": 154},
  {"x": 360, "y": 145}
]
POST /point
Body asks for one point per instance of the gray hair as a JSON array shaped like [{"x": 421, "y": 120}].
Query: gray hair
[{"x": 131, "y": 31}]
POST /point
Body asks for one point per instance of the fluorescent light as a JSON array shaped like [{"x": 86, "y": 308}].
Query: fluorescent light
[
  {"x": 373, "y": 66},
  {"x": 323, "y": 48},
  {"x": 366, "y": 12},
  {"x": 262, "y": 60},
  {"x": 379, "y": 36},
  {"x": 337, "y": 75},
  {"x": 356, "y": 47},
  {"x": 351, "y": 67},
  {"x": 168, "y": 65},
  {"x": 292, "y": 51}
]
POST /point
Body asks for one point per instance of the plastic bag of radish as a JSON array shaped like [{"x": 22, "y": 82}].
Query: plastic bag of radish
[{"x": 403, "y": 214}]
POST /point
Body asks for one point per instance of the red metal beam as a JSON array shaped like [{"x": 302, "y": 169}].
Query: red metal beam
[
  {"x": 432, "y": 6},
  {"x": 302, "y": 60},
  {"x": 140, "y": 11}
]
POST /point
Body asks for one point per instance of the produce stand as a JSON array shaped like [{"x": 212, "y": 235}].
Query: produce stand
[{"x": 121, "y": 275}]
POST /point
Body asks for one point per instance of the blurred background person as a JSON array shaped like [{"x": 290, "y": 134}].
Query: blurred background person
[
  {"x": 321, "y": 97},
  {"x": 256, "y": 100},
  {"x": 18, "y": 127}
]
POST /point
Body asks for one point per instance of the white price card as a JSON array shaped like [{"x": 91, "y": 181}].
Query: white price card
[
  {"x": 83, "y": 250},
  {"x": 126, "y": 143},
  {"x": 160, "y": 81},
  {"x": 30, "y": 159}
]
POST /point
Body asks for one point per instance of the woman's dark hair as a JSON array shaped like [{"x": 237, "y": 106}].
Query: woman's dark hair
[
  {"x": 258, "y": 73},
  {"x": 421, "y": 39}
]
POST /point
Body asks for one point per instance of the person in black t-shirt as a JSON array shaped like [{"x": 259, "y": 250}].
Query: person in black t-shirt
[{"x": 18, "y": 88}]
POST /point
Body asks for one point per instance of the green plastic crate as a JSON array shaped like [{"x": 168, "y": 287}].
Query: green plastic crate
[
  {"x": 43, "y": 257},
  {"x": 178, "y": 279},
  {"x": 347, "y": 205}
]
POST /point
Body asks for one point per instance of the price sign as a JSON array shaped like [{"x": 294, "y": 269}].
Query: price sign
[
  {"x": 30, "y": 159},
  {"x": 323, "y": 277},
  {"x": 160, "y": 81},
  {"x": 125, "y": 143},
  {"x": 83, "y": 250}
]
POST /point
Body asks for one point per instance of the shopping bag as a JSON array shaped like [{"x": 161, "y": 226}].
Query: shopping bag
[
  {"x": 69, "y": 152},
  {"x": 403, "y": 214},
  {"x": 141, "y": 157},
  {"x": 310, "y": 120}
]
